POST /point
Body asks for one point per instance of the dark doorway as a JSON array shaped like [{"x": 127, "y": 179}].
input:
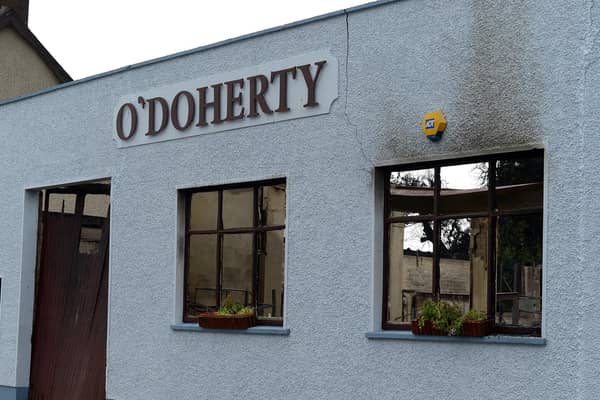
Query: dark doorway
[{"x": 70, "y": 323}]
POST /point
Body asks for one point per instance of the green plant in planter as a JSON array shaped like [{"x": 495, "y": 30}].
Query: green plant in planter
[
  {"x": 475, "y": 315},
  {"x": 475, "y": 323},
  {"x": 443, "y": 316},
  {"x": 430, "y": 311},
  {"x": 450, "y": 319},
  {"x": 231, "y": 307}
]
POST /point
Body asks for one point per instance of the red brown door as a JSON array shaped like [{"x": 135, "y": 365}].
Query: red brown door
[{"x": 69, "y": 336}]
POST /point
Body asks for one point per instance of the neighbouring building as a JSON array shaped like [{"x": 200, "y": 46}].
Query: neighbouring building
[
  {"x": 25, "y": 64},
  {"x": 286, "y": 174}
]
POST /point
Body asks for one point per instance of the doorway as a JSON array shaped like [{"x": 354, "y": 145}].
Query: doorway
[{"x": 68, "y": 358}]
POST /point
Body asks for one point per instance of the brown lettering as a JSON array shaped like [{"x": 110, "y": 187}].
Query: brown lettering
[
  {"x": 258, "y": 97},
  {"x": 233, "y": 99},
  {"x": 164, "y": 106},
  {"x": 311, "y": 84},
  {"x": 133, "y": 126},
  {"x": 283, "y": 74},
  {"x": 215, "y": 104},
  {"x": 191, "y": 110}
]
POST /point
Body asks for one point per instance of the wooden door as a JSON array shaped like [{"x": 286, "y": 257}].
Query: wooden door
[{"x": 69, "y": 335}]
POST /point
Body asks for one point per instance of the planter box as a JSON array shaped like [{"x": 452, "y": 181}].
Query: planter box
[
  {"x": 212, "y": 320},
  {"x": 476, "y": 328},
  {"x": 414, "y": 328},
  {"x": 427, "y": 329}
]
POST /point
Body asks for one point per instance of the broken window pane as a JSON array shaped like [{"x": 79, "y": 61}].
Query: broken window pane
[
  {"x": 464, "y": 188},
  {"x": 519, "y": 270},
  {"x": 519, "y": 183},
  {"x": 272, "y": 206},
  {"x": 410, "y": 269},
  {"x": 464, "y": 262},
  {"x": 270, "y": 287},
  {"x": 479, "y": 219},
  {"x": 411, "y": 192}
]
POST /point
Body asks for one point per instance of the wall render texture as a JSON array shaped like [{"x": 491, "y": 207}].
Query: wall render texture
[{"x": 509, "y": 75}]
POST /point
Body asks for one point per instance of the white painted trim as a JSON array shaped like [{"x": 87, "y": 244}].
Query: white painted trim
[
  {"x": 26, "y": 302},
  {"x": 179, "y": 261},
  {"x": 285, "y": 254},
  {"x": 27, "y": 278},
  {"x": 377, "y": 286},
  {"x": 109, "y": 291},
  {"x": 377, "y": 235},
  {"x": 255, "y": 330},
  {"x": 407, "y": 335},
  {"x": 545, "y": 243},
  {"x": 232, "y": 181},
  {"x": 69, "y": 182}
]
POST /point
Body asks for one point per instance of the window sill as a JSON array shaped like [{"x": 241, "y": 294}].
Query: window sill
[
  {"x": 255, "y": 330},
  {"x": 407, "y": 335}
]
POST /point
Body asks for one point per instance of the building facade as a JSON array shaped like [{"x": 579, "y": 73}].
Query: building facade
[{"x": 289, "y": 169}]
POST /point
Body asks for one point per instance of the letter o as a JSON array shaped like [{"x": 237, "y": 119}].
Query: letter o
[
  {"x": 133, "y": 126},
  {"x": 175, "y": 110}
]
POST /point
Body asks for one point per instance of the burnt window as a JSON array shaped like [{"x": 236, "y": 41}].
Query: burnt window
[
  {"x": 467, "y": 232},
  {"x": 235, "y": 244}
]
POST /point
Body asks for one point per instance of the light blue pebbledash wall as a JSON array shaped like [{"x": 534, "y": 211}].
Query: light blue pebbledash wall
[{"x": 508, "y": 75}]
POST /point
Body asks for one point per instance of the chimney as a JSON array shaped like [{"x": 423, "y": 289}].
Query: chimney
[{"x": 20, "y": 7}]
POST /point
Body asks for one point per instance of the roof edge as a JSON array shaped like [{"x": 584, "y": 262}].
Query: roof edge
[
  {"x": 13, "y": 20},
  {"x": 185, "y": 53}
]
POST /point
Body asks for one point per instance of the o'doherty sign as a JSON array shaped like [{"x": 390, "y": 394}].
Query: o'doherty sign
[{"x": 296, "y": 87}]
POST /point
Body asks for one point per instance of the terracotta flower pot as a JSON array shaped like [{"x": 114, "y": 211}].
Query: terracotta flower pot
[
  {"x": 426, "y": 329},
  {"x": 414, "y": 327},
  {"x": 212, "y": 320},
  {"x": 475, "y": 328}
]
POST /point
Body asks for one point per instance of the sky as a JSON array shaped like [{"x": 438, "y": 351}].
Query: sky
[{"x": 88, "y": 38}]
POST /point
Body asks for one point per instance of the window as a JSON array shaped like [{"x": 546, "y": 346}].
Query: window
[
  {"x": 467, "y": 232},
  {"x": 235, "y": 244}
]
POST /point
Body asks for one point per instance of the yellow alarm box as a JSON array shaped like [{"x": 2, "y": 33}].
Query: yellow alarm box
[{"x": 434, "y": 125}]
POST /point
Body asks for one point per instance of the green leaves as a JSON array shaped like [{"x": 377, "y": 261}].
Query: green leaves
[
  {"x": 475, "y": 315},
  {"x": 231, "y": 307},
  {"x": 446, "y": 316}
]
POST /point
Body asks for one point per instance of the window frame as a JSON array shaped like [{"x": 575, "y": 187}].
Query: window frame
[
  {"x": 492, "y": 214},
  {"x": 220, "y": 231}
]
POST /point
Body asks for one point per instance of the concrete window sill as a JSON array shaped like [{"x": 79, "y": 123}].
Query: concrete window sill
[
  {"x": 407, "y": 335},
  {"x": 256, "y": 330}
]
